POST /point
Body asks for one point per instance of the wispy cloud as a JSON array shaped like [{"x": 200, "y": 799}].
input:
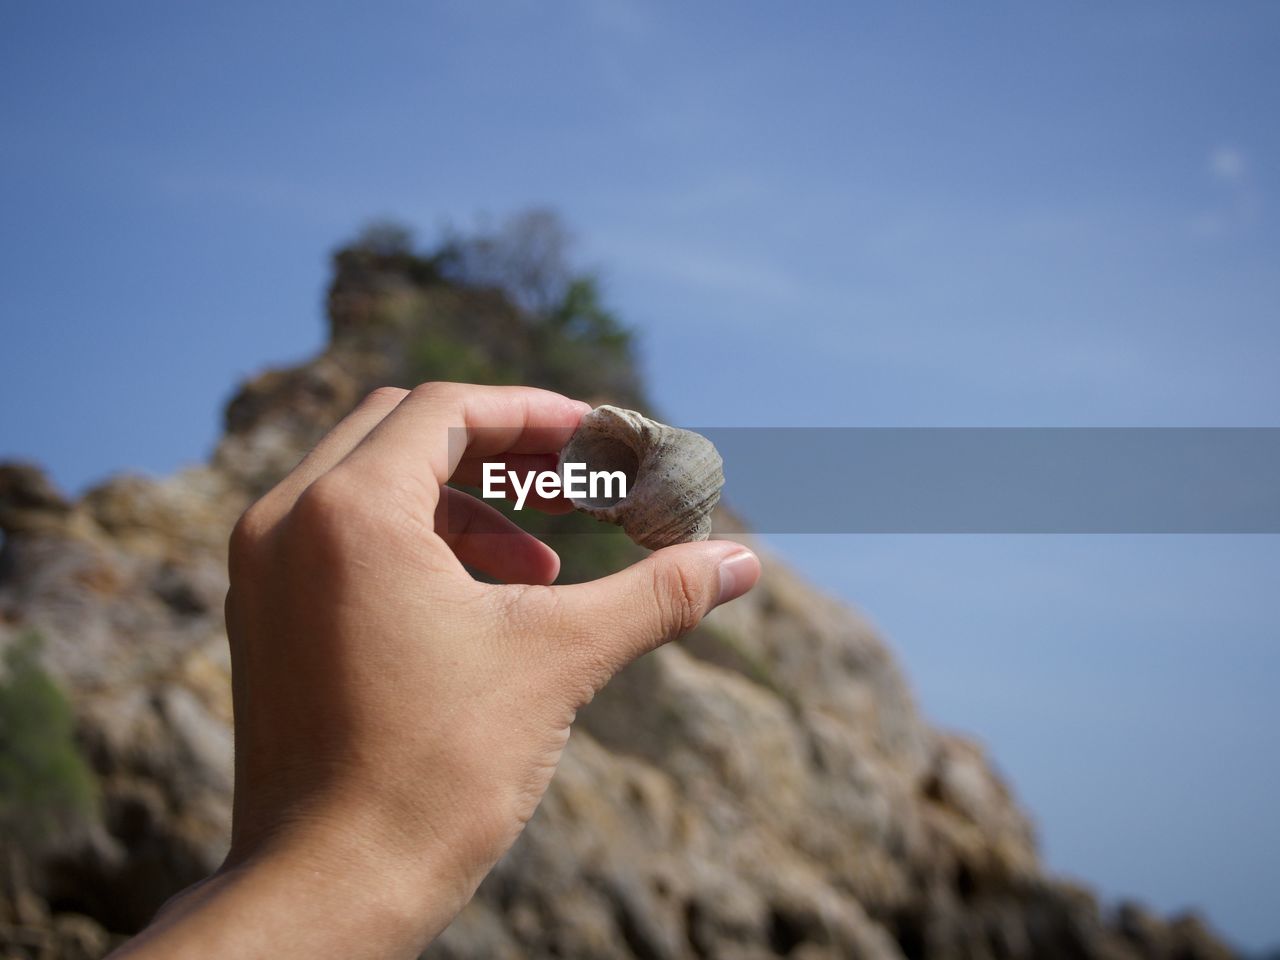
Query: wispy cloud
[
  {"x": 625, "y": 17},
  {"x": 1238, "y": 203},
  {"x": 1228, "y": 164}
]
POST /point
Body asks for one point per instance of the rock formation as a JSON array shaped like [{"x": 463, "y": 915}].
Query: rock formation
[{"x": 766, "y": 788}]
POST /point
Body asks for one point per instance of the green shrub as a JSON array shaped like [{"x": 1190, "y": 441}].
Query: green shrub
[
  {"x": 442, "y": 356},
  {"x": 44, "y": 781}
]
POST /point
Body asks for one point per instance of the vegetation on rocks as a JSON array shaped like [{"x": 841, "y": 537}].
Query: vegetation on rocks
[{"x": 45, "y": 783}]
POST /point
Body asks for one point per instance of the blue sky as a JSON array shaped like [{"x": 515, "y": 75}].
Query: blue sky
[{"x": 1023, "y": 214}]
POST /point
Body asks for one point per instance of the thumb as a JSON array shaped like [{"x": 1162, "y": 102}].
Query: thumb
[{"x": 662, "y": 597}]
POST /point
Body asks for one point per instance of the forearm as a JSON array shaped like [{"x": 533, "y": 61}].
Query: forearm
[{"x": 287, "y": 905}]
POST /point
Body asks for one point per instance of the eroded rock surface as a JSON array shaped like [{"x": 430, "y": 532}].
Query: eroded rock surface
[{"x": 765, "y": 788}]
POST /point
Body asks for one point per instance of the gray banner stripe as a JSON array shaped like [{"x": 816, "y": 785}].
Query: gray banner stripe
[
  {"x": 1003, "y": 480},
  {"x": 999, "y": 480}
]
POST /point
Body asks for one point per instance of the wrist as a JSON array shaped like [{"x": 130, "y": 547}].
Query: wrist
[{"x": 303, "y": 897}]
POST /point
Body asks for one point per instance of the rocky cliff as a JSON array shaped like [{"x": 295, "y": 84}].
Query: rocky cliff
[{"x": 765, "y": 788}]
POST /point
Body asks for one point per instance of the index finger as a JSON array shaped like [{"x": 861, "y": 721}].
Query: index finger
[{"x": 437, "y": 424}]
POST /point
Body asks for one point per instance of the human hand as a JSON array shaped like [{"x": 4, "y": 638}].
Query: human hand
[{"x": 397, "y": 721}]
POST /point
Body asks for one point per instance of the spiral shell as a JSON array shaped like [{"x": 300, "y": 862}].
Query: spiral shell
[{"x": 674, "y": 476}]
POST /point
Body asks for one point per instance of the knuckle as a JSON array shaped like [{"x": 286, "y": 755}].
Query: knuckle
[
  {"x": 385, "y": 397},
  {"x": 350, "y": 502},
  {"x": 248, "y": 533},
  {"x": 435, "y": 390},
  {"x": 681, "y": 597},
  {"x": 540, "y": 601},
  {"x": 534, "y": 604},
  {"x": 326, "y": 502},
  {"x": 329, "y": 522}
]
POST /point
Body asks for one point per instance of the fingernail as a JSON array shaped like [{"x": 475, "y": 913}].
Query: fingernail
[{"x": 738, "y": 574}]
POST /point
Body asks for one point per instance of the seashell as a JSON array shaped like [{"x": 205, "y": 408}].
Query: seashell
[{"x": 674, "y": 476}]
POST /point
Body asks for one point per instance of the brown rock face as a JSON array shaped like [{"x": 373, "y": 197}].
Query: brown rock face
[{"x": 767, "y": 788}]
